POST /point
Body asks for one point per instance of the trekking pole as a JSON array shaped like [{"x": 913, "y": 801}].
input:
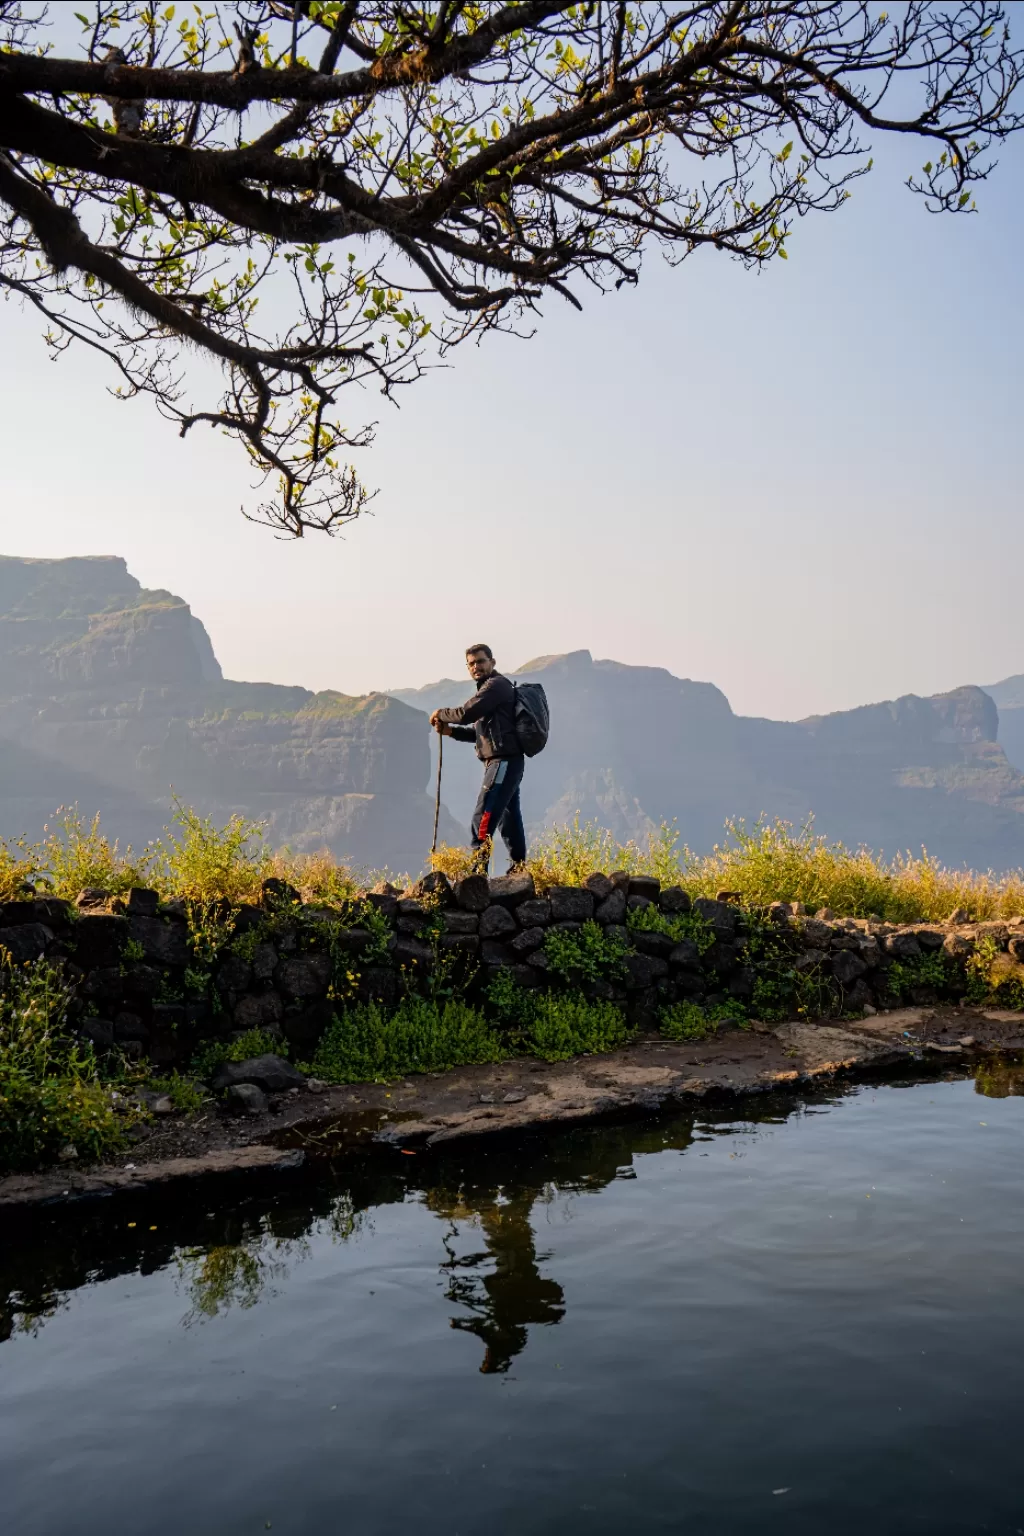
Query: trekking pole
[{"x": 437, "y": 797}]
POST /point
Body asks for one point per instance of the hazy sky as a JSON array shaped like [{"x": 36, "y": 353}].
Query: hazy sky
[{"x": 803, "y": 486}]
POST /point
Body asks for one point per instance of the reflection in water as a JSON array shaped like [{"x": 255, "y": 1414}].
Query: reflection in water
[{"x": 484, "y": 1196}]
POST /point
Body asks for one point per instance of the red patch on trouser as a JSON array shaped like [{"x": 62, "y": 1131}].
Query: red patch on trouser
[{"x": 485, "y": 824}]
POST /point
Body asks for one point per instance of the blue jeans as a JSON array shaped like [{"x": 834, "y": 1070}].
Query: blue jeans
[{"x": 497, "y": 807}]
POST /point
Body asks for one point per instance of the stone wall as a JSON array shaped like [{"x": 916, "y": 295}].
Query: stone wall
[{"x": 147, "y": 980}]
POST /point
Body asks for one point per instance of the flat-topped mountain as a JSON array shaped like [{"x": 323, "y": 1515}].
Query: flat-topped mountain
[
  {"x": 633, "y": 746},
  {"x": 111, "y": 695}
]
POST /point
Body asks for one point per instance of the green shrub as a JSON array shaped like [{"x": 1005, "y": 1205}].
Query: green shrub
[
  {"x": 204, "y": 863},
  {"x": 19, "y": 867},
  {"x": 928, "y": 970},
  {"x": 52, "y": 1095},
  {"x": 510, "y": 1005},
  {"x": 568, "y": 1024},
  {"x": 186, "y": 1096},
  {"x": 585, "y": 954},
  {"x": 686, "y": 1021},
  {"x": 677, "y": 926},
  {"x": 367, "y": 1043}
]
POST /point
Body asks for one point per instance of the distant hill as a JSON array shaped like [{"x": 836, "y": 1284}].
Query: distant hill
[
  {"x": 633, "y": 746},
  {"x": 111, "y": 695},
  {"x": 1008, "y": 697}
]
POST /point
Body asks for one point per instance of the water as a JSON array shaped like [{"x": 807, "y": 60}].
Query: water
[{"x": 805, "y": 1322}]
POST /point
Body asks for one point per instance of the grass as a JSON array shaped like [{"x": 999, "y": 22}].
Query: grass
[
  {"x": 368, "y": 1043},
  {"x": 244, "y": 1047},
  {"x": 688, "y": 1021},
  {"x": 568, "y": 1024}
]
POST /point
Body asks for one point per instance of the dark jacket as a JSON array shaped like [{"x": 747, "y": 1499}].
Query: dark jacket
[{"x": 491, "y": 713}]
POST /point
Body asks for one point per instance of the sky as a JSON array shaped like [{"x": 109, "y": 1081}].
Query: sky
[{"x": 802, "y": 485}]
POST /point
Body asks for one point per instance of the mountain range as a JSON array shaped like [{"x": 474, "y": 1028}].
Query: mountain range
[{"x": 111, "y": 695}]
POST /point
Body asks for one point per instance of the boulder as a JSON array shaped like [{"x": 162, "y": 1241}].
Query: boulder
[
  {"x": 26, "y": 942},
  {"x": 644, "y": 885},
  {"x": 464, "y": 943},
  {"x": 644, "y": 970},
  {"x": 570, "y": 904},
  {"x": 264, "y": 962},
  {"x": 674, "y": 899},
  {"x": 685, "y": 953},
  {"x": 142, "y": 902},
  {"x": 901, "y": 946},
  {"x": 654, "y": 944},
  {"x": 99, "y": 939},
  {"x": 385, "y": 902},
  {"x": 245, "y": 1099},
  {"x": 815, "y": 933},
  {"x": 496, "y": 922},
  {"x": 163, "y": 942},
  {"x": 847, "y": 967},
  {"x": 456, "y": 922},
  {"x": 534, "y": 914},
  {"x": 599, "y": 886},
  {"x": 959, "y": 947},
  {"x": 260, "y": 1010},
  {"x": 512, "y": 890},
  {"x": 301, "y": 976},
  {"x": 233, "y": 974},
  {"x": 527, "y": 941},
  {"x": 494, "y": 953},
  {"x": 303, "y": 1027},
  {"x": 472, "y": 893},
  {"x": 409, "y": 951},
  {"x": 613, "y": 908},
  {"x": 437, "y": 886},
  {"x": 271, "y": 1073}
]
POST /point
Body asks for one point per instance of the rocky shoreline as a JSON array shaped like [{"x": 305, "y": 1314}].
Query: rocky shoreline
[{"x": 516, "y": 1095}]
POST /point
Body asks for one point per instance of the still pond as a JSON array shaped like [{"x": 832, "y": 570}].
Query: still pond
[{"x": 805, "y": 1317}]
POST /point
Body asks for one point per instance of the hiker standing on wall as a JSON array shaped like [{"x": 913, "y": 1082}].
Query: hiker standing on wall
[{"x": 488, "y": 720}]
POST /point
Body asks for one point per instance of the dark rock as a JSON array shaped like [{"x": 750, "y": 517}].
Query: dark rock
[
  {"x": 1015, "y": 946},
  {"x": 846, "y": 938},
  {"x": 259, "y": 1010},
  {"x": 778, "y": 912},
  {"x": 169, "y": 1016},
  {"x": 637, "y": 903},
  {"x": 526, "y": 975},
  {"x": 136, "y": 983},
  {"x": 674, "y": 899},
  {"x": 730, "y": 898},
  {"x": 164, "y": 943},
  {"x": 816, "y": 934},
  {"x": 437, "y": 886},
  {"x": 599, "y": 886},
  {"x": 741, "y": 984},
  {"x": 512, "y": 890},
  {"x": 142, "y": 902},
  {"x": 304, "y": 975},
  {"x": 570, "y": 904},
  {"x": 654, "y": 944},
  {"x": 99, "y": 939},
  {"x": 383, "y": 902},
  {"x": 858, "y": 995},
  {"x": 494, "y": 953},
  {"x": 958, "y": 917},
  {"x": 461, "y": 922},
  {"x": 408, "y": 907},
  {"x": 534, "y": 914},
  {"x": 264, "y": 962},
  {"x": 92, "y": 897},
  {"x": 613, "y": 908},
  {"x": 527, "y": 941},
  {"x": 26, "y": 942},
  {"x": 49, "y": 910},
  {"x": 620, "y": 879},
  {"x": 847, "y": 967},
  {"x": 685, "y": 953},
  {"x": 539, "y": 961},
  {"x": 352, "y": 940},
  {"x": 901, "y": 946},
  {"x": 410, "y": 925},
  {"x": 130, "y": 1026},
  {"x": 385, "y": 888},
  {"x": 233, "y": 974},
  {"x": 247, "y": 916},
  {"x": 464, "y": 943},
  {"x": 807, "y": 961},
  {"x": 618, "y": 934},
  {"x": 99, "y": 1032},
  {"x": 959, "y": 947},
  {"x": 496, "y": 922},
  {"x": 245, "y": 1099},
  {"x": 930, "y": 938},
  {"x": 378, "y": 984},
  {"x": 723, "y": 918},
  {"x": 303, "y": 1028},
  {"x": 275, "y": 893},
  {"x": 473, "y": 893},
  {"x": 644, "y": 970},
  {"x": 644, "y": 885},
  {"x": 566, "y": 927},
  {"x": 412, "y": 952},
  {"x": 271, "y": 1073}
]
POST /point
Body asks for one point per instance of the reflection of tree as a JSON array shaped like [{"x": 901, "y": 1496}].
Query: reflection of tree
[
  {"x": 226, "y": 1276},
  {"x": 999, "y": 1078}
]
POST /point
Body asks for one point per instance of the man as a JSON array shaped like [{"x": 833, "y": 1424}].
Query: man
[{"x": 489, "y": 720}]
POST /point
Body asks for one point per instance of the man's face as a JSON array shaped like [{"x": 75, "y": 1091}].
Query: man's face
[{"x": 480, "y": 665}]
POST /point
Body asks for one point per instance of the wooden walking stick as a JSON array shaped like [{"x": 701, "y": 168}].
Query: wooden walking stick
[{"x": 437, "y": 797}]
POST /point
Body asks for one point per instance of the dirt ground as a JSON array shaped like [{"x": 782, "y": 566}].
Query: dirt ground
[{"x": 472, "y": 1101}]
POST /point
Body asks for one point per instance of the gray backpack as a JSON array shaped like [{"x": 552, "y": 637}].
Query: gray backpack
[{"x": 533, "y": 720}]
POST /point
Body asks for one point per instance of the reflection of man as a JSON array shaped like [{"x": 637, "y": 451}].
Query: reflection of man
[
  {"x": 488, "y": 719},
  {"x": 516, "y": 1292}
]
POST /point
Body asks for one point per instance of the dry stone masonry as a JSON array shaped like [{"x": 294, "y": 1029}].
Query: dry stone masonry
[{"x": 144, "y": 980}]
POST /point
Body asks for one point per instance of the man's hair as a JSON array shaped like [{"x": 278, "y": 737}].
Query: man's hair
[{"x": 470, "y": 649}]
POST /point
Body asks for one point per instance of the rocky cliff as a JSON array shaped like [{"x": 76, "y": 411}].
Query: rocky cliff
[
  {"x": 111, "y": 695},
  {"x": 632, "y": 746}
]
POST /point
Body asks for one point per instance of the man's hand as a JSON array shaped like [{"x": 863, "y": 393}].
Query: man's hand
[{"x": 439, "y": 725}]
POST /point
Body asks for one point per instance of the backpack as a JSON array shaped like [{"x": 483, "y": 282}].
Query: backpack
[{"x": 533, "y": 719}]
